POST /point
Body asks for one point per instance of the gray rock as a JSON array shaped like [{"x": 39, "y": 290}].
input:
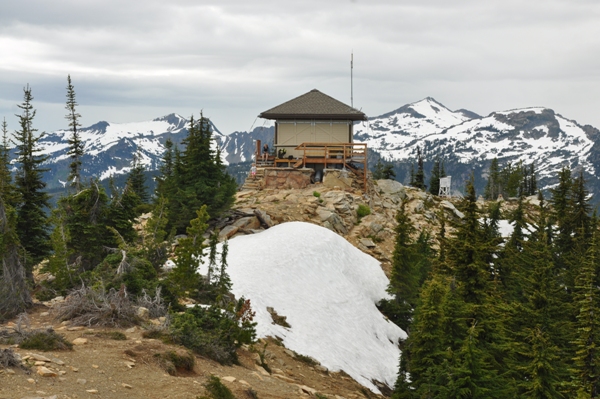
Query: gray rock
[
  {"x": 324, "y": 214},
  {"x": 420, "y": 206},
  {"x": 390, "y": 187},
  {"x": 367, "y": 242},
  {"x": 143, "y": 313},
  {"x": 450, "y": 206},
  {"x": 337, "y": 224}
]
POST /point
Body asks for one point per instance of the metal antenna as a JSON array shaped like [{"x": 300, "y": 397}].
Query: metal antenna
[{"x": 351, "y": 80}]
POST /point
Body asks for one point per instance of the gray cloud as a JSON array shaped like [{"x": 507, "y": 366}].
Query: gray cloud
[{"x": 139, "y": 60}]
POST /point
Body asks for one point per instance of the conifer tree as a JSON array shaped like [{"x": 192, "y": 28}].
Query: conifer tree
[
  {"x": 434, "y": 180},
  {"x": 378, "y": 172},
  {"x": 75, "y": 145},
  {"x": 136, "y": 181},
  {"x": 471, "y": 374},
  {"x": 428, "y": 342},
  {"x": 493, "y": 187},
  {"x": 83, "y": 226},
  {"x": 404, "y": 281},
  {"x": 199, "y": 178},
  {"x": 587, "y": 337},
  {"x": 32, "y": 222},
  {"x": 420, "y": 174},
  {"x": 122, "y": 211},
  {"x": 7, "y": 189},
  {"x": 184, "y": 278},
  {"x": 468, "y": 251}
]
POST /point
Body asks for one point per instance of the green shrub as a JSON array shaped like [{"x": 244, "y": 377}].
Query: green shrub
[
  {"x": 216, "y": 389},
  {"x": 316, "y": 194},
  {"x": 306, "y": 359},
  {"x": 173, "y": 362},
  {"x": 362, "y": 211},
  {"x": 45, "y": 341},
  {"x": 212, "y": 332}
]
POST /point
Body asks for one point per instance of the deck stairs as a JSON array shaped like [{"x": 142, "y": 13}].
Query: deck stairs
[{"x": 254, "y": 184}]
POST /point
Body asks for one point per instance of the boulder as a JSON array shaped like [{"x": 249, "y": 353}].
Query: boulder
[
  {"x": 80, "y": 341},
  {"x": 46, "y": 372},
  {"x": 392, "y": 188},
  {"x": 143, "y": 313},
  {"x": 228, "y": 232},
  {"x": 450, "y": 206}
]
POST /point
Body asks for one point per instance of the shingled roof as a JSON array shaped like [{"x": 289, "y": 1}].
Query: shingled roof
[{"x": 314, "y": 105}]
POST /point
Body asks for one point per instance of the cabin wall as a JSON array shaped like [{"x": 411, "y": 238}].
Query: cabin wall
[{"x": 290, "y": 134}]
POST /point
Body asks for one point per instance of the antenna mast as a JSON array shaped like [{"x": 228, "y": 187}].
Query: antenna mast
[{"x": 351, "y": 80}]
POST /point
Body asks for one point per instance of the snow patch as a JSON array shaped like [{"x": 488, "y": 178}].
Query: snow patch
[{"x": 327, "y": 289}]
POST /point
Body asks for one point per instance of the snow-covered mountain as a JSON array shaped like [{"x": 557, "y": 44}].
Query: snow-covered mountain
[
  {"x": 109, "y": 147},
  {"x": 468, "y": 142}
]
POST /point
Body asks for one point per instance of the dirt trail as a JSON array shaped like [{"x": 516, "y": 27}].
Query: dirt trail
[{"x": 105, "y": 368}]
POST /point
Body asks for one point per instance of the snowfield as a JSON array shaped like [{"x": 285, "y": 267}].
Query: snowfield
[{"x": 327, "y": 289}]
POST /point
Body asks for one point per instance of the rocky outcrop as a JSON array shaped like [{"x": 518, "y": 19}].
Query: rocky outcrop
[{"x": 287, "y": 178}]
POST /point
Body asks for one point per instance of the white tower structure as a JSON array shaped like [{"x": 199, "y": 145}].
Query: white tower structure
[{"x": 445, "y": 183}]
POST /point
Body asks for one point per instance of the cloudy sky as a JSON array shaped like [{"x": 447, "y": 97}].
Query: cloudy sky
[{"x": 137, "y": 60}]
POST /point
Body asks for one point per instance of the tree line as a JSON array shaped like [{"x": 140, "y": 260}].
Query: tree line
[{"x": 494, "y": 317}]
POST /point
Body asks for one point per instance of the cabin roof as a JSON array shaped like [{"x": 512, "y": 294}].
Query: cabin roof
[{"x": 314, "y": 105}]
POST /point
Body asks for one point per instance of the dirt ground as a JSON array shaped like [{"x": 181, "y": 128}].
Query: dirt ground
[{"x": 106, "y": 368}]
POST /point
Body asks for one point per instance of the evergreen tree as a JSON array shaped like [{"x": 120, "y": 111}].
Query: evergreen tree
[
  {"x": 32, "y": 222},
  {"x": 404, "y": 281},
  {"x": 587, "y": 299},
  {"x": 420, "y": 174},
  {"x": 75, "y": 145},
  {"x": 136, "y": 181},
  {"x": 428, "y": 342},
  {"x": 7, "y": 189},
  {"x": 532, "y": 180},
  {"x": 165, "y": 181},
  {"x": 378, "y": 172},
  {"x": 82, "y": 224},
  {"x": 493, "y": 187},
  {"x": 184, "y": 278},
  {"x": 434, "y": 180},
  {"x": 122, "y": 211},
  {"x": 199, "y": 178}
]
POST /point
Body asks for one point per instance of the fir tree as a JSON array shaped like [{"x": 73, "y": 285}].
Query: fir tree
[
  {"x": 7, "y": 189},
  {"x": 184, "y": 278},
  {"x": 165, "y": 181},
  {"x": 32, "y": 222},
  {"x": 378, "y": 172},
  {"x": 199, "y": 177},
  {"x": 587, "y": 299},
  {"x": 136, "y": 181},
  {"x": 493, "y": 187},
  {"x": 404, "y": 281},
  {"x": 434, "y": 180},
  {"x": 75, "y": 145},
  {"x": 420, "y": 174}
]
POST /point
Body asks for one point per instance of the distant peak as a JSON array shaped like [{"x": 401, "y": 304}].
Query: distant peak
[{"x": 170, "y": 117}]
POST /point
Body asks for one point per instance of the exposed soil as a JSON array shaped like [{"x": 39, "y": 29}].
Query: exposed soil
[{"x": 127, "y": 369}]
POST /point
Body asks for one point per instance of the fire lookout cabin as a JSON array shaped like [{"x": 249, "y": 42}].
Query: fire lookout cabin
[{"x": 316, "y": 131}]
